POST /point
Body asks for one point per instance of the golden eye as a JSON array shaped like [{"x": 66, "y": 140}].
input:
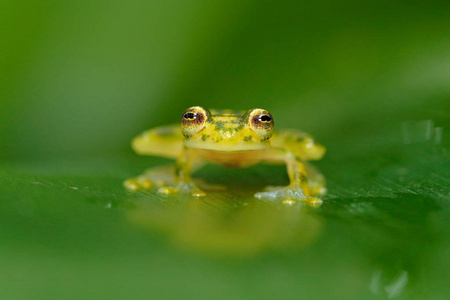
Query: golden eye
[
  {"x": 193, "y": 120},
  {"x": 261, "y": 122}
]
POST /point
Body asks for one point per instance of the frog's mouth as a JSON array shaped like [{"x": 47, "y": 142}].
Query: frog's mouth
[{"x": 226, "y": 146}]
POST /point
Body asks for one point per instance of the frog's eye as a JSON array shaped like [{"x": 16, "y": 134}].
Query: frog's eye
[
  {"x": 261, "y": 121},
  {"x": 193, "y": 120}
]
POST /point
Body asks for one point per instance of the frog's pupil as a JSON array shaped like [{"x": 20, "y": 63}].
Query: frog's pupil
[
  {"x": 266, "y": 118},
  {"x": 189, "y": 116}
]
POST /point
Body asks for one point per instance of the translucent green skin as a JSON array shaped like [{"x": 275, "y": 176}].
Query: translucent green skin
[{"x": 228, "y": 139}]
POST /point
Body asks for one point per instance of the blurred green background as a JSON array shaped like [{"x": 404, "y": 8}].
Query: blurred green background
[{"x": 78, "y": 79}]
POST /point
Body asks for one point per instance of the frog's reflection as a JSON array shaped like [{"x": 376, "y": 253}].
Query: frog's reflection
[{"x": 221, "y": 224}]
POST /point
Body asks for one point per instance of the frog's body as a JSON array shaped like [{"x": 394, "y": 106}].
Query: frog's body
[{"x": 232, "y": 139}]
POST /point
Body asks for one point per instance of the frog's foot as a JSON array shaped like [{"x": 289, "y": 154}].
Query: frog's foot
[
  {"x": 138, "y": 183},
  {"x": 151, "y": 178},
  {"x": 290, "y": 195},
  {"x": 182, "y": 187}
]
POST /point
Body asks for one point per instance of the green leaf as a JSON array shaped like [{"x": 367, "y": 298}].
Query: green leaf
[{"x": 368, "y": 80}]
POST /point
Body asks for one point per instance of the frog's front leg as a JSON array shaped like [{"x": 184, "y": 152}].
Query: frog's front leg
[
  {"x": 182, "y": 177},
  {"x": 299, "y": 188}
]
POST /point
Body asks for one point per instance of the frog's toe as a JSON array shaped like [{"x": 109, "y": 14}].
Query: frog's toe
[
  {"x": 134, "y": 184},
  {"x": 167, "y": 190},
  {"x": 131, "y": 184},
  {"x": 182, "y": 187},
  {"x": 289, "y": 201},
  {"x": 311, "y": 201}
]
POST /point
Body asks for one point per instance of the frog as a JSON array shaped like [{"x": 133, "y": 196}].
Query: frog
[{"x": 233, "y": 139}]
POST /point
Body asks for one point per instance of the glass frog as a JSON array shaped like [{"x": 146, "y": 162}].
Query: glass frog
[{"x": 231, "y": 139}]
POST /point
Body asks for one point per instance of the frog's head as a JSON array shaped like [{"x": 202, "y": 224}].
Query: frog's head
[{"x": 226, "y": 130}]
